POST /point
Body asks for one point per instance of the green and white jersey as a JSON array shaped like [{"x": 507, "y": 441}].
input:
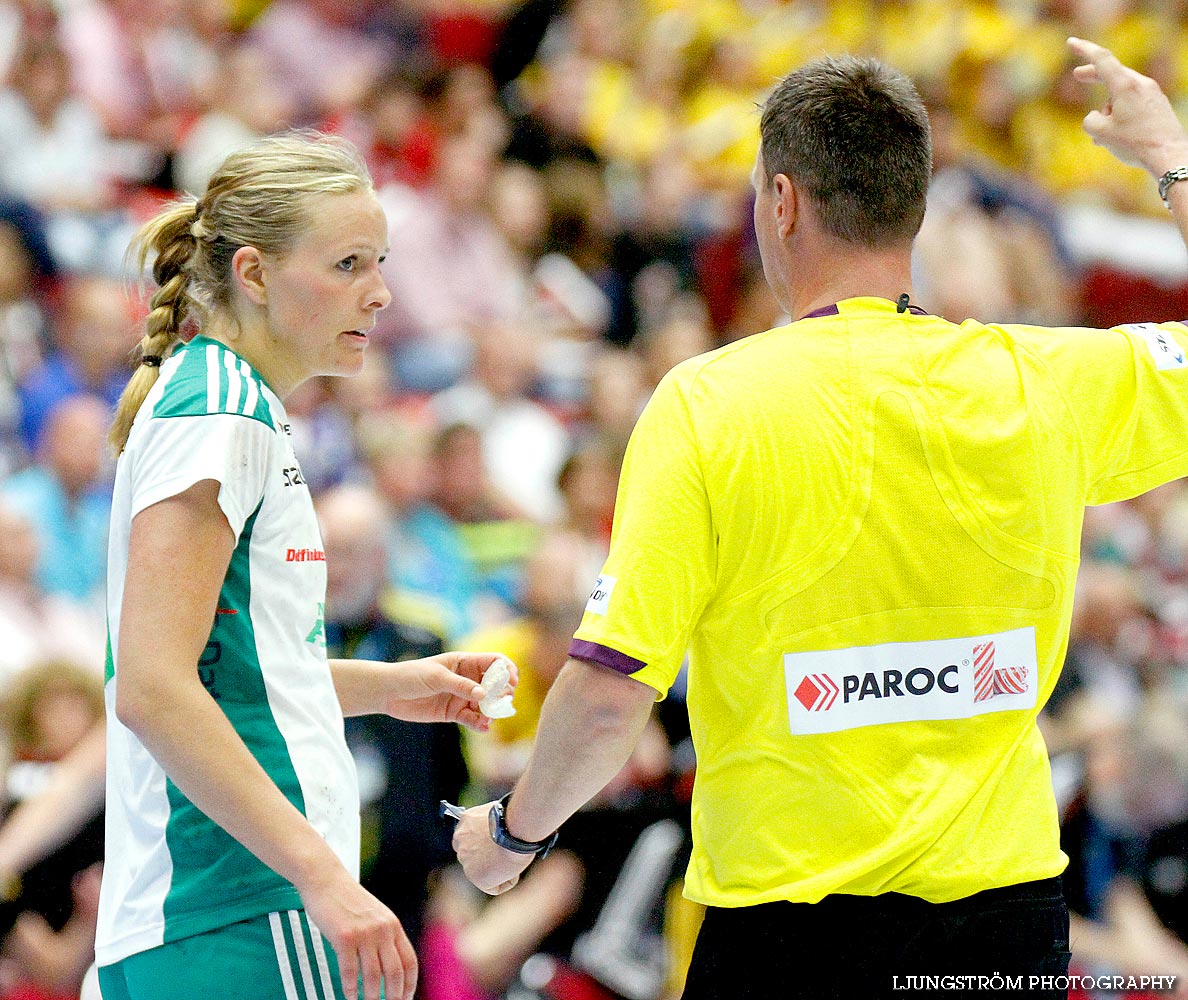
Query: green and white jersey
[{"x": 170, "y": 871}]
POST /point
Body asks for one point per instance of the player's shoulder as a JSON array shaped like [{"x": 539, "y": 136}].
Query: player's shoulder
[{"x": 203, "y": 377}]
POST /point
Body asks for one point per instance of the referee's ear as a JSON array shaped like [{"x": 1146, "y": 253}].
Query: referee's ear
[{"x": 786, "y": 204}]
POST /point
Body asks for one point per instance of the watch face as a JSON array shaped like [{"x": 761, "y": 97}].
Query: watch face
[{"x": 493, "y": 818}]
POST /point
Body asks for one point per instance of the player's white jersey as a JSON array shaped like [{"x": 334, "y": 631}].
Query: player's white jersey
[{"x": 170, "y": 871}]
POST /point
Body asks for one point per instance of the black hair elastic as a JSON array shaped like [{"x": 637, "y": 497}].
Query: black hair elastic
[{"x": 152, "y": 360}]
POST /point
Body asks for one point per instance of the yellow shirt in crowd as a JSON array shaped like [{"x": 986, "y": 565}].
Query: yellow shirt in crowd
[{"x": 864, "y": 528}]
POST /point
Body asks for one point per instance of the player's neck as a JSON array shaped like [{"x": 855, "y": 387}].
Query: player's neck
[{"x": 251, "y": 340}]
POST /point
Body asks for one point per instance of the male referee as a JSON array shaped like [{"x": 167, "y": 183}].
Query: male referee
[{"x": 864, "y": 528}]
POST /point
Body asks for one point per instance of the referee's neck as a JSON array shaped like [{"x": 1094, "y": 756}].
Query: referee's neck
[{"x": 847, "y": 273}]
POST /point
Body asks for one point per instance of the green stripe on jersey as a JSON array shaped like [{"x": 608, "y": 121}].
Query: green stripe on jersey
[
  {"x": 212, "y": 379},
  {"x": 210, "y": 868},
  {"x": 108, "y": 660}
]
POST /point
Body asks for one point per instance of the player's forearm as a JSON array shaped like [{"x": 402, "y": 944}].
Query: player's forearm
[
  {"x": 589, "y": 725},
  {"x": 197, "y": 747},
  {"x": 360, "y": 685}
]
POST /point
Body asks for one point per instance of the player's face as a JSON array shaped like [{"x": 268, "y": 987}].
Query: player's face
[{"x": 323, "y": 295}]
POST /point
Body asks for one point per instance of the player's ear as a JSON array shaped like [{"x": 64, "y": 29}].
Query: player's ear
[{"x": 247, "y": 270}]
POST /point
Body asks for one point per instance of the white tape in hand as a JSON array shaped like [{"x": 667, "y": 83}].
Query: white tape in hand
[{"x": 497, "y": 700}]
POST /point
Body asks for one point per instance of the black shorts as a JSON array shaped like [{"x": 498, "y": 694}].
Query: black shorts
[{"x": 885, "y": 946}]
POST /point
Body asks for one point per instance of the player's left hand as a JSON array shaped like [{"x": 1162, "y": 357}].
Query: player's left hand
[
  {"x": 443, "y": 688},
  {"x": 491, "y": 868}
]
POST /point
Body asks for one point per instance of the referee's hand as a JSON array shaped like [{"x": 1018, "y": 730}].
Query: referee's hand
[
  {"x": 1136, "y": 123},
  {"x": 491, "y": 868}
]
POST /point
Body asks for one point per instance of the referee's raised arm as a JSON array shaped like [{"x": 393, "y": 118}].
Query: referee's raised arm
[{"x": 1137, "y": 124}]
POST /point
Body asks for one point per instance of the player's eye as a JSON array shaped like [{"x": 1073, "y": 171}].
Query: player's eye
[{"x": 348, "y": 263}]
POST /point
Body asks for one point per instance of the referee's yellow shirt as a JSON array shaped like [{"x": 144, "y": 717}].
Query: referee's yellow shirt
[{"x": 863, "y": 528}]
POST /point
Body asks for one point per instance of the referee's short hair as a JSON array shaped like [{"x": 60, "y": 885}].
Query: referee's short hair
[{"x": 854, "y": 133}]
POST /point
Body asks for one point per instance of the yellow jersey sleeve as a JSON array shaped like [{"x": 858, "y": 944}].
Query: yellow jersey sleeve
[
  {"x": 660, "y": 570},
  {"x": 1127, "y": 389}
]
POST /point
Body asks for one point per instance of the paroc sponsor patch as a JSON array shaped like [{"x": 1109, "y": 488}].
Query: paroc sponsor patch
[{"x": 838, "y": 689}]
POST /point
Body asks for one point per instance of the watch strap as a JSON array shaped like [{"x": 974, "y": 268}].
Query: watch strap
[
  {"x": 505, "y": 839},
  {"x": 1169, "y": 178}
]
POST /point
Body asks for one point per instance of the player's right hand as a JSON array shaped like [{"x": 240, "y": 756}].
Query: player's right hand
[{"x": 367, "y": 938}]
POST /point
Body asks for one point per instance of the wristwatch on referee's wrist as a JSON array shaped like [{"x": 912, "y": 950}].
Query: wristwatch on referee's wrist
[
  {"x": 501, "y": 835},
  {"x": 1169, "y": 178}
]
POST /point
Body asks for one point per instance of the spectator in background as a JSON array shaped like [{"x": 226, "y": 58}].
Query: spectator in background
[
  {"x": 462, "y": 101},
  {"x": 449, "y": 269},
  {"x": 34, "y": 625},
  {"x": 246, "y": 101},
  {"x": 49, "y": 917},
  {"x": 523, "y": 444},
  {"x": 618, "y": 389},
  {"x": 325, "y": 55},
  {"x": 94, "y": 336},
  {"x": 67, "y": 496},
  {"x": 368, "y": 393},
  {"x": 654, "y": 253},
  {"x": 495, "y": 534},
  {"x": 588, "y": 481},
  {"x": 1109, "y": 637},
  {"x": 393, "y": 129},
  {"x": 140, "y": 66},
  {"x": 55, "y": 155},
  {"x": 683, "y": 334},
  {"x": 52, "y": 145},
  {"x": 27, "y": 270},
  {"x": 1123, "y": 834},
  {"x": 547, "y": 126},
  {"x": 326, "y": 417},
  {"x": 428, "y": 563},
  {"x": 990, "y": 243},
  {"x": 537, "y": 641},
  {"x": 405, "y": 768},
  {"x": 322, "y": 435},
  {"x": 579, "y": 245},
  {"x": 520, "y": 210}
]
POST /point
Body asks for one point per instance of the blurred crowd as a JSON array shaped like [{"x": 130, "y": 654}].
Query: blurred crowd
[{"x": 566, "y": 184}]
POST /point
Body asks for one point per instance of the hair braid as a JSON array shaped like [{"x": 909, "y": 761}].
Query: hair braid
[{"x": 170, "y": 237}]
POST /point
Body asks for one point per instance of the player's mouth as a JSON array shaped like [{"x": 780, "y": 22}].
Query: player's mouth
[{"x": 358, "y": 335}]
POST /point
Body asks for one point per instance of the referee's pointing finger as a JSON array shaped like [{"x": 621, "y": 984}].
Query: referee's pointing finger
[
  {"x": 1137, "y": 122},
  {"x": 1103, "y": 66}
]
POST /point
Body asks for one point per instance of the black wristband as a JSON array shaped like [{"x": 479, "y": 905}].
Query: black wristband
[{"x": 501, "y": 835}]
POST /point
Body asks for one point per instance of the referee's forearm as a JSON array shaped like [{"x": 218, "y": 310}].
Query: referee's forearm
[
  {"x": 589, "y": 726},
  {"x": 1167, "y": 156},
  {"x": 1177, "y": 200}
]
